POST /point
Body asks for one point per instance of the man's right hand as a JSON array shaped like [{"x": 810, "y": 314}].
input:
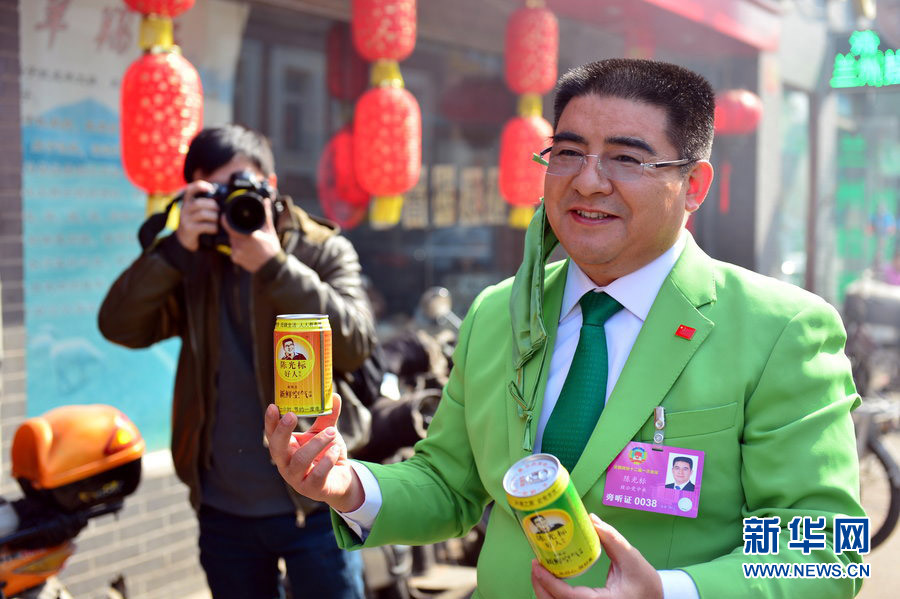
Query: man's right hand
[
  {"x": 315, "y": 463},
  {"x": 199, "y": 215}
]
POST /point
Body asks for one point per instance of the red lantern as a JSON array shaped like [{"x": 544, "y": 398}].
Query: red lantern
[
  {"x": 522, "y": 179},
  {"x": 738, "y": 111},
  {"x": 347, "y": 72},
  {"x": 532, "y": 47},
  {"x": 387, "y": 141},
  {"x": 346, "y": 215},
  {"x": 384, "y": 29},
  {"x": 161, "y": 111},
  {"x": 336, "y": 181},
  {"x": 165, "y": 8}
]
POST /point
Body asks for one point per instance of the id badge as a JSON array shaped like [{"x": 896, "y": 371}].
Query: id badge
[{"x": 655, "y": 478}]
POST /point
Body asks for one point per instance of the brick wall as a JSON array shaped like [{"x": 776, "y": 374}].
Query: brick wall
[
  {"x": 153, "y": 542},
  {"x": 12, "y": 344}
]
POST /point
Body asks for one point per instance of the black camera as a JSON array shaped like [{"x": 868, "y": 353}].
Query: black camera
[{"x": 242, "y": 203}]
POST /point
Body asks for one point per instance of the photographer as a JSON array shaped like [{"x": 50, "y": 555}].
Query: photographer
[{"x": 218, "y": 283}]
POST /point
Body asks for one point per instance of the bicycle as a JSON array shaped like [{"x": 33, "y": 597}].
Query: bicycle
[
  {"x": 872, "y": 317},
  {"x": 879, "y": 474}
]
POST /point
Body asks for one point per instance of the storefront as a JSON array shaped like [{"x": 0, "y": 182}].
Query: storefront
[
  {"x": 267, "y": 64},
  {"x": 69, "y": 214},
  {"x": 834, "y": 219},
  {"x": 865, "y": 81},
  {"x": 453, "y": 231}
]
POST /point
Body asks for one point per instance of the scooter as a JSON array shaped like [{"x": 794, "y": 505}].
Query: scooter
[{"x": 73, "y": 463}]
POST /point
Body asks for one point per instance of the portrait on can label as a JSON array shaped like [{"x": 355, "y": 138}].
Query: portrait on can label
[
  {"x": 296, "y": 358},
  {"x": 551, "y": 530}
]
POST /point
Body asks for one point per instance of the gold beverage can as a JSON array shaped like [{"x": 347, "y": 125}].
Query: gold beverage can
[
  {"x": 303, "y": 379},
  {"x": 552, "y": 515}
]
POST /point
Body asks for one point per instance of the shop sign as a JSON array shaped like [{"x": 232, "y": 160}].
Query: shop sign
[
  {"x": 443, "y": 200},
  {"x": 415, "y": 203},
  {"x": 866, "y": 65},
  {"x": 472, "y": 197}
]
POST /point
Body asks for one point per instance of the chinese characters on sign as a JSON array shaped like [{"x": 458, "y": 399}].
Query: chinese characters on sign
[
  {"x": 865, "y": 64},
  {"x": 54, "y": 19},
  {"x": 116, "y": 30},
  {"x": 456, "y": 196},
  {"x": 415, "y": 203}
]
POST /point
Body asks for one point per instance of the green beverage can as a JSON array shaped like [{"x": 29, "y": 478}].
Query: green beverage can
[{"x": 552, "y": 515}]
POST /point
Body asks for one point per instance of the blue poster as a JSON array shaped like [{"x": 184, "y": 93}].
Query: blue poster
[
  {"x": 80, "y": 213},
  {"x": 81, "y": 216}
]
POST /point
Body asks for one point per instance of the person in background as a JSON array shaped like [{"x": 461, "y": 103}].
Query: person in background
[
  {"x": 581, "y": 358},
  {"x": 891, "y": 272},
  {"x": 223, "y": 304}
]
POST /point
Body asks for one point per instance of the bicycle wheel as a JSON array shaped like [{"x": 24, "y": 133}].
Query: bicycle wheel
[{"x": 879, "y": 490}]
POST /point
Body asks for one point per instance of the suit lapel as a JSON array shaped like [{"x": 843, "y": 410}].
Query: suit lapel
[
  {"x": 656, "y": 360},
  {"x": 534, "y": 372}
]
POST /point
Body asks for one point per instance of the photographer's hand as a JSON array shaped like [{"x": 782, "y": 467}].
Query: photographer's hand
[
  {"x": 199, "y": 215},
  {"x": 252, "y": 251}
]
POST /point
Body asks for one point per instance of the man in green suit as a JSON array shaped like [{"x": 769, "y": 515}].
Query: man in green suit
[{"x": 748, "y": 370}]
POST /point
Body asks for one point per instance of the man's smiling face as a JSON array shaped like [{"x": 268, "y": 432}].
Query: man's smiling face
[{"x": 611, "y": 228}]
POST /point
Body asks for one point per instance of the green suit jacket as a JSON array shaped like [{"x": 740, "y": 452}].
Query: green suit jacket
[{"x": 762, "y": 387}]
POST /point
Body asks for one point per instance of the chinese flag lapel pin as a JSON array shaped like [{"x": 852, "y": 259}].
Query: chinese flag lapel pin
[{"x": 685, "y": 331}]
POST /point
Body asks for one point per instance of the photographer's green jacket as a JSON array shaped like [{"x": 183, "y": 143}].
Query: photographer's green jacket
[{"x": 763, "y": 388}]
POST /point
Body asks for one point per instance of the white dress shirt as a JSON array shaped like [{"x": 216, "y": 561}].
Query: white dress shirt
[{"x": 636, "y": 292}]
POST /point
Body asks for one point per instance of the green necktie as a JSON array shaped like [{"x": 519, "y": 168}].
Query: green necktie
[{"x": 583, "y": 394}]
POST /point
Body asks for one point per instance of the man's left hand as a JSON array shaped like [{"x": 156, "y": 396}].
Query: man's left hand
[
  {"x": 252, "y": 251},
  {"x": 630, "y": 575}
]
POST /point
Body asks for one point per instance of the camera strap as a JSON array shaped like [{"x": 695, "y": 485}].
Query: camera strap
[
  {"x": 290, "y": 235},
  {"x": 161, "y": 225}
]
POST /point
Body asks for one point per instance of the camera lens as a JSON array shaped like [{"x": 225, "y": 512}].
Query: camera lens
[{"x": 245, "y": 212}]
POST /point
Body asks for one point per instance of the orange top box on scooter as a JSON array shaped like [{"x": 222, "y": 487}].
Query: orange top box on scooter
[
  {"x": 78, "y": 456},
  {"x": 73, "y": 463}
]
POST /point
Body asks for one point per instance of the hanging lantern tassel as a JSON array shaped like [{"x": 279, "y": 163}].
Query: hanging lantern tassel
[{"x": 156, "y": 33}]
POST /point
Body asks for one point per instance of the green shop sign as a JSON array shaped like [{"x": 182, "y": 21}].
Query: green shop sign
[{"x": 865, "y": 64}]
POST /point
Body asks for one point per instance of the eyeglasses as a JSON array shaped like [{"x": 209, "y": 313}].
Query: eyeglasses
[{"x": 618, "y": 166}]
